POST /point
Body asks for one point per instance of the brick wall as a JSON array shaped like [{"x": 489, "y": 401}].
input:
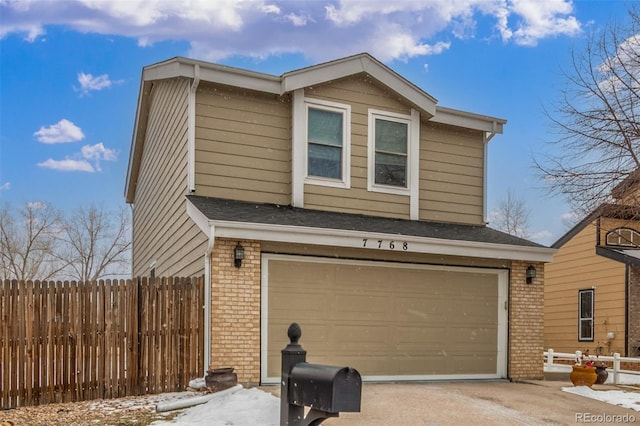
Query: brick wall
[
  {"x": 526, "y": 323},
  {"x": 235, "y": 310},
  {"x": 235, "y": 315}
]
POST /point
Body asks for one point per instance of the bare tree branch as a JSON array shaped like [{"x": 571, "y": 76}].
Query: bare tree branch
[
  {"x": 512, "y": 216},
  {"x": 597, "y": 120},
  {"x": 97, "y": 243},
  {"x": 28, "y": 242}
]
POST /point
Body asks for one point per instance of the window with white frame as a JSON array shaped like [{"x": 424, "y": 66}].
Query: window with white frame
[
  {"x": 327, "y": 142},
  {"x": 585, "y": 315},
  {"x": 390, "y": 139},
  {"x": 625, "y": 237}
]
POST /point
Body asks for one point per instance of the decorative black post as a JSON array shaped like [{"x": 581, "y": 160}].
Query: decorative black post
[{"x": 291, "y": 415}]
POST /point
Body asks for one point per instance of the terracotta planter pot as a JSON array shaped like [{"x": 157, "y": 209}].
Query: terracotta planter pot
[{"x": 581, "y": 375}]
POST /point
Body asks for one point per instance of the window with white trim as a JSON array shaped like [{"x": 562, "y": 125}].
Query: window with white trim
[
  {"x": 390, "y": 138},
  {"x": 585, "y": 315},
  {"x": 327, "y": 142},
  {"x": 624, "y": 237}
]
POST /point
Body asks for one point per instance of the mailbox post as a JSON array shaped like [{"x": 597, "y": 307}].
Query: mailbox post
[
  {"x": 326, "y": 390},
  {"x": 292, "y": 354}
]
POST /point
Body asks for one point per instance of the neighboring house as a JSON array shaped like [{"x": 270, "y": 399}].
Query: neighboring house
[
  {"x": 592, "y": 286},
  {"x": 357, "y": 205}
]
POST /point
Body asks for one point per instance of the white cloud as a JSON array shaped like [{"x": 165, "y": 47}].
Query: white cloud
[
  {"x": 68, "y": 165},
  {"x": 569, "y": 219},
  {"x": 87, "y": 160},
  {"x": 541, "y": 19},
  {"x": 542, "y": 237},
  {"x": 5, "y": 186},
  {"x": 271, "y": 8},
  {"x": 90, "y": 83},
  {"x": 62, "y": 132},
  {"x": 297, "y": 20},
  {"x": 320, "y": 30},
  {"x": 97, "y": 153}
]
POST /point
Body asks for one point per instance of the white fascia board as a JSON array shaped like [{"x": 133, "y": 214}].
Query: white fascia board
[
  {"x": 238, "y": 78},
  {"x": 356, "y": 239},
  {"x": 181, "y": 67},
  {"x": 199, "y": 218},
  {"x": 468, "y": 120},
  {"x": 401, "y": 86},
  {"x": 343, "y": 68}
]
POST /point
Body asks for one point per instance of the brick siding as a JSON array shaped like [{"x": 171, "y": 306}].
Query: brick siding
[
  {"x": 235, "y": 310},
  {"x": 526, "y": 322},
  {"x": 235, "y": 315}
]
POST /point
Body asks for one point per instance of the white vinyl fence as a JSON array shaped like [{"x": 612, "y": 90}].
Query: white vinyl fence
[{"x": 616, "y": 374}]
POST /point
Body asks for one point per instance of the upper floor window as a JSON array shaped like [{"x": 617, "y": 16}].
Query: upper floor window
[
  {"x": 391, "y": 153},
  {"x": 585, "y": 315},
  {"x": 623, "y": 237},
  {"x": 327, "y": 140},
  {"x": 390, "y": 163}
]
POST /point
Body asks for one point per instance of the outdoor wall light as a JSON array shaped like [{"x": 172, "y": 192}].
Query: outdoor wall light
[
  {"x": 238, "y": 255},
  {"x": 531, "y": 274}
]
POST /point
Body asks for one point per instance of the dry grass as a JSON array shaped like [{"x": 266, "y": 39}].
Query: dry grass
[{"x": 138, "y": 410}]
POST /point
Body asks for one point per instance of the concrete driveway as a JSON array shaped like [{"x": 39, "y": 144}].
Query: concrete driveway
[{"x": 479, "y": 403}]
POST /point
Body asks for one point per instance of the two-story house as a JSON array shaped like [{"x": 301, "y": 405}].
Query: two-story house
[
  {"x": 592, "y": 288},
  {"x": 339, "y": 196}
]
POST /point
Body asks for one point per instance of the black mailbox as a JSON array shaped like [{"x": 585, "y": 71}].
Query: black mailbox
[{"x": 325, "y": 387}]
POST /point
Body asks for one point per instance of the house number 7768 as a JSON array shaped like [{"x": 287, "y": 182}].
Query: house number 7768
[{"x": 384, "y": 244}]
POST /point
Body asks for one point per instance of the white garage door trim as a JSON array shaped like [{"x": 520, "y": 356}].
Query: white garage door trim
[{"x": 501, "y": 274}]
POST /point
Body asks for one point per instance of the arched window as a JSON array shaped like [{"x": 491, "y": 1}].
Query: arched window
[{"x": 624, "y": 237}]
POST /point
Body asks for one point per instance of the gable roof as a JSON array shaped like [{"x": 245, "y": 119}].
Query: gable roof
[
  {"x": 240, "y": 219},
  {"x": 613, "y": 211},
  {"x": 180, "y": 67}
]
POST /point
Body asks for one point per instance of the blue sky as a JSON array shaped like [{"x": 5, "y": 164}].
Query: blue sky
[{"x": 70, "y": 75}]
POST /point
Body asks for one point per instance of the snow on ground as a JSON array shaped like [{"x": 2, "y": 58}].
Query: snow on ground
[
  {"x": 235, "y": 406},
  {"x": 615, "y": 397},
  {"x": 238, "y": 406}
]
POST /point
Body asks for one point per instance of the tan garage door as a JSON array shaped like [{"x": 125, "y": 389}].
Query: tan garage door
[{"x": 389, "y": 321}]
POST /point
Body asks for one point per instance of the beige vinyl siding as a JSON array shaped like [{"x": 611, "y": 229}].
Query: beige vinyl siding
[
  {"x": 607, "y": 225},
  {"x": 451, "y": 174},
  {"x": 163, "y": 232},
  {"x": 243, "y": 145},
  {"x": 576, "y": 267},
  {"x": 362, "y": 93}
]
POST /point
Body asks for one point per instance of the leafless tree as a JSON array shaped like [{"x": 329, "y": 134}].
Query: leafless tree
[
  {"x": 28, "y": 242},
  {"x": 597, "y": 120},
  {"x": 96, "y": 242},
  {"x": 38, "y": 242},
  {"x": 512, "y": 216}
]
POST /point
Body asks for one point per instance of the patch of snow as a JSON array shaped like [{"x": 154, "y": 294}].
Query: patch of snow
[
  {"x": 244, "y": 407},
  {"x": 616, "y": 397},
  {"x": 198, "y": 383}
]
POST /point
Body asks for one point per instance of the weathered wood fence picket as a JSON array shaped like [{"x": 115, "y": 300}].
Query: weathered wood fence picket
[{"x": 75, "y": 341}]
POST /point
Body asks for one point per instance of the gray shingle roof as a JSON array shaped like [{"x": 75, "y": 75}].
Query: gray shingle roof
[{"x": 218, "y": 209}]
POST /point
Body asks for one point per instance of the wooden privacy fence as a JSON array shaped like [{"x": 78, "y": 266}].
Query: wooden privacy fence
[{"x": 75, "y": 341}]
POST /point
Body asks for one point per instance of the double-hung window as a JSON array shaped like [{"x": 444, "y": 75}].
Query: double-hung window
[
  {"x": 390, "y": 152},
  {"x": 327, "y": 144},
  {"x": 585, "y": 315}
]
